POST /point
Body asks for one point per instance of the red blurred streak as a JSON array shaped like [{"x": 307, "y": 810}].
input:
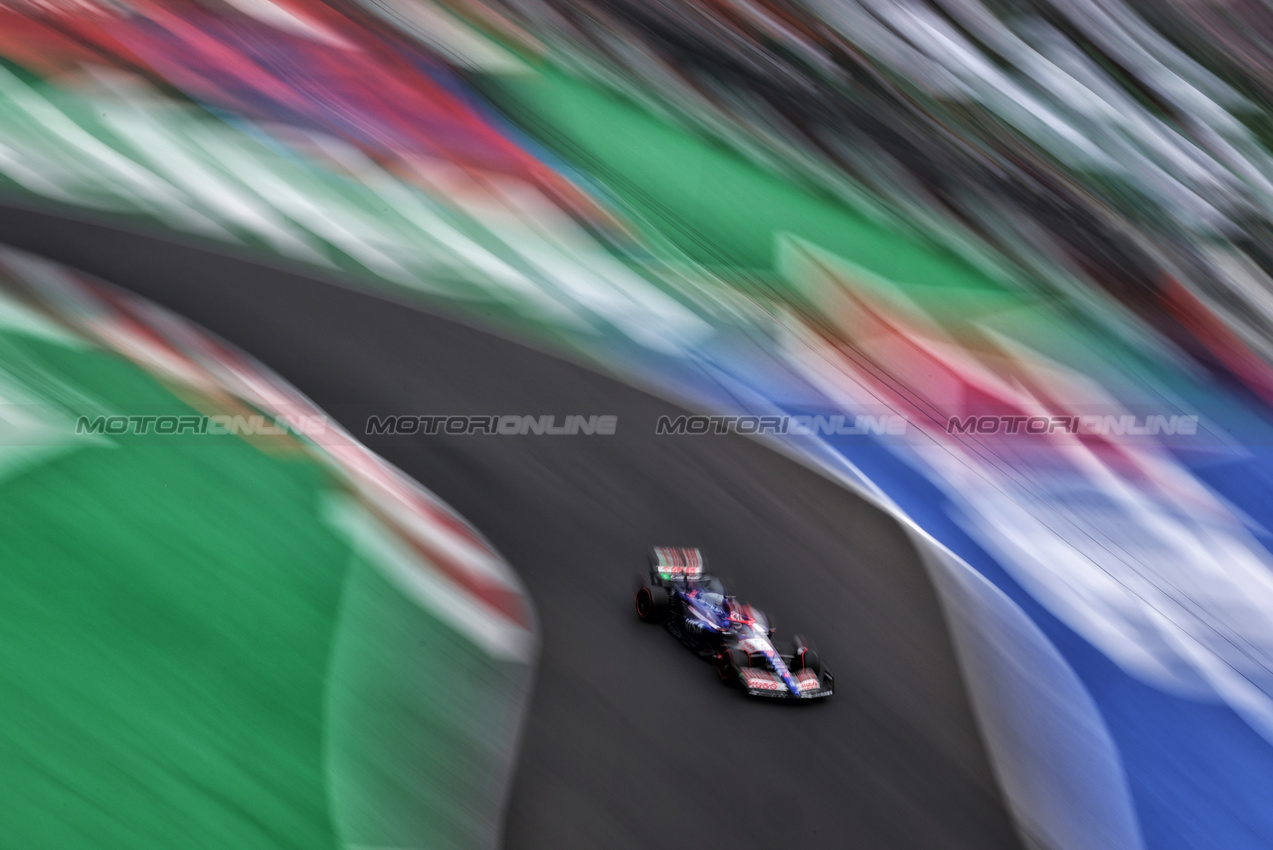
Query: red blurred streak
[
  {"x": 1218, "y": 339},
  {"x": 354, "y": 458},
  {"x": 41, "y": 48},
  {"x": 874, "y": 340},
  {"x": 370, "y": 92}
]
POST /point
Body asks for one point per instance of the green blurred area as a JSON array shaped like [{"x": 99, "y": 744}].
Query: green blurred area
[
  {"x": 740, "y": 219},
  {"x": 166, "y": 622},
  {"x": 168, "y": 675},
  {"x": 716, "y": 206},
  {"x": 419, "y": 725}
]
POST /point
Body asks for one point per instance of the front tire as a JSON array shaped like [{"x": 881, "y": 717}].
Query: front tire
[
  {"x": 804, "y": 657},
  {"x": 812, "y": 662},
  {"x": 651, "y": 603},
  {"x": 729, "y": 665}
]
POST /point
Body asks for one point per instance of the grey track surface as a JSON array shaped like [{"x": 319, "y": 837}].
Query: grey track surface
[{"x": 631, "y": 742}]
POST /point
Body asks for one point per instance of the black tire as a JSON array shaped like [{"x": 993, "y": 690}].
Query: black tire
[
  {"x": 804, "y": 657},
  {"x": 728, "y": 665},
  {"x": 724, "y": 670},
  {"x": 652, "y": 603},
  {"x": 810, "y": 661}
]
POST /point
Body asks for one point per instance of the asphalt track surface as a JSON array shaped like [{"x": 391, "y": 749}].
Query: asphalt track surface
[{"x": 630, "y": 742}]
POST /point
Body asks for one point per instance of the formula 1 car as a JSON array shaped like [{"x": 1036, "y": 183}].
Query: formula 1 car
[{"x": 734, "y": 635}]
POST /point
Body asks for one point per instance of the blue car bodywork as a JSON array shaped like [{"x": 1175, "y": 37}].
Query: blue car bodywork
[{"x": 737, "y": 637}]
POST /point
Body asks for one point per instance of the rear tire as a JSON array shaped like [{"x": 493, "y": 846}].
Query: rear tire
[{"x": 651, "y": 603}]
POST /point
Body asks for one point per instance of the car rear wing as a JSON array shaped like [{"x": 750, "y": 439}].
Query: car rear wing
[{"x": 674, "y": 562}]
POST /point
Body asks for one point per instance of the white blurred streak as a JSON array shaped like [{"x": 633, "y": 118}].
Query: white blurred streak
[
  {"x": 1051, "y": 750},
  {"x": 1119, "y": 541},
  {"x": 863, "y": 27},
  {"x": 283, "y": 18},
  {"x": 155, "y": 193},
  {"x": 437, "y": 28},
  {"x": 430, "y": 588}
]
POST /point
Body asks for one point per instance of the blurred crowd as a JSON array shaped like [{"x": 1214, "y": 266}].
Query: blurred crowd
[{"x": 1117, "y": 153}]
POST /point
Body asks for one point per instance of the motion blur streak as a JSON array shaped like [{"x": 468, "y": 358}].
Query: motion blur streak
[
  {"x": 947, "y": 211},
  {"x": 211, "y": 641},
  {"x": 1065, "y": 143},
  {"x": 898, "y": 764}
]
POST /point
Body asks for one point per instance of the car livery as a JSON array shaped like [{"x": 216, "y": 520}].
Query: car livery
[
  {"x": 737, "y": 637},
  {"x": 670, "y": 563}
]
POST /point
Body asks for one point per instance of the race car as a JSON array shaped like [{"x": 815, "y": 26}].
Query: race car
[{"x": 735, "y": 636}]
